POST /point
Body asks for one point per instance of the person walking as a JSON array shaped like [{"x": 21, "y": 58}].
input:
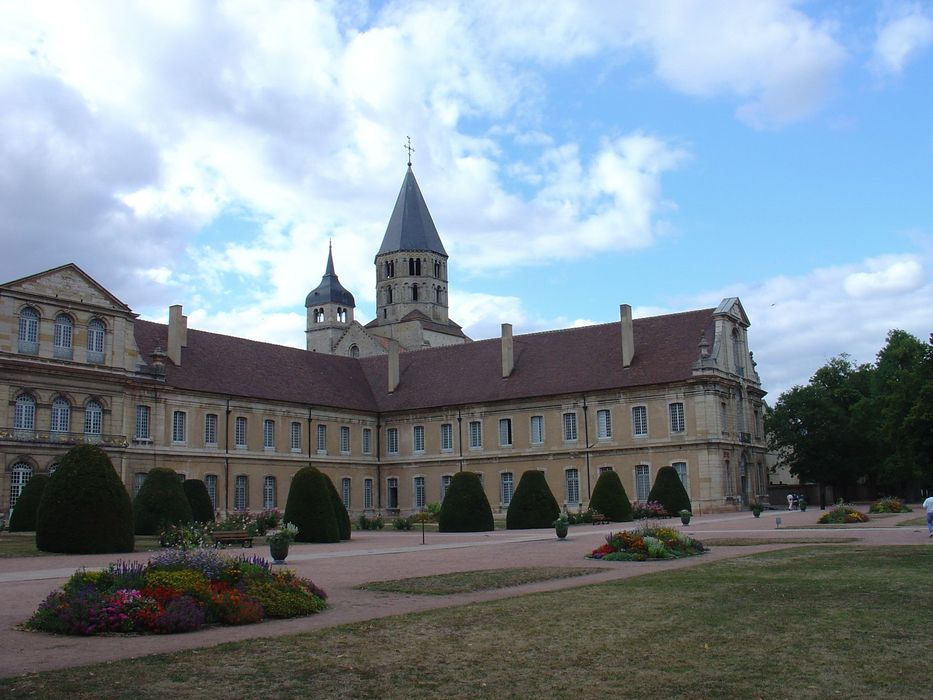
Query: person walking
[{"x": 928, "y": 504}]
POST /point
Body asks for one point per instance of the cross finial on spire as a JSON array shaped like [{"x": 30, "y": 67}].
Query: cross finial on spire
[{"x": 410, "y": 150}]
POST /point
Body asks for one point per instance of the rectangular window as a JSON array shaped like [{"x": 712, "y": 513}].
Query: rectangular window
[
  {"x": 210, "y": 430},
  {"x": 570, "y": 427},
  {"x": 476, "y": 434},
  {"x": 367, "y": 494},
  {"x": 239, "y": 432},
  {"x": 418, "y": 438},
  {"x": 681, "y": 469},
  {"x": 345, "y": 492},
  {"x": 268, "y": 493},
  {"x": 367, "y": 441},
  {"x": 295, "y": 436},
  {"x": 677, "y": 417},
  {"x": 445, "y": 484},
  {"x": 344, "y": 439},
  {"x": 642, "y": 483},
  {"x": 392, "y": 441},
  {"x": 639, "y": 421},
  {"x": 142, "y": 422},
  {"x": 603, "y": 424},
  {"x": 505, "y": 480},
  {"x": 138, "y": 479},
  {"x": 268, "y": 434},
  {"x": 505, "y": 432},
  {"x": 573, "y": 485},
  {"x": 447, "y": 437},
  {"x": 210, "y": 482},
  {"x": 392, "y": 492},
  {"x": 420, "y": 500},
  {"x": 537, "y": 430},
  {"x": 178, "y": 426},
  {"x": 724, "y": 417},
  {"x": 321, "y": 439},
  {"x": 240, "y": 501},
  {"x": 604, "y": 469}
]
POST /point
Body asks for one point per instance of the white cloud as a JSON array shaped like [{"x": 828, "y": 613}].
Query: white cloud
[
  {"x": 900, "y": 38},
  {"x": 885, "y": 277}
]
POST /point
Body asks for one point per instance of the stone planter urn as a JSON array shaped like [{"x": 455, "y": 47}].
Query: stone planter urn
[
  {"x": 278, "y": 549},
  {"x": 560, "y": 527},
  {"x": 685, "y": 516}
]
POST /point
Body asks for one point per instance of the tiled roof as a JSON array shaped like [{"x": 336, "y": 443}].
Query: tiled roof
[
  {"x": 554, "y": 363},
  {"x": 330, "y": 289},
  {"x": 411, "y": 226}
]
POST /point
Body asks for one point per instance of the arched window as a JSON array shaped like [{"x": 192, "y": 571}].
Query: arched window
[
  {"x": 61, "y": 416},
  {"x": 437, "y": 268},
  {"x": 437, "y": 295},
  {"x": 93, "y": 419},
  {"x": 341, "y": 315},
  {"x": 24, "y": 416},
  {"x": 388, "y": 295},
  {"x": 414, "y": 292},
  {"x": 64, "y": 334},
  {"x": 96, "y": 331},
  {"x": 29, "y": 331},
  {"x": 19, "y": 475},
  {"x": 319, "y": 315},
  {"x": 354, "y": 350}
]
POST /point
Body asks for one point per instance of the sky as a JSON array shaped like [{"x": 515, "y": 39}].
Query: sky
[{"x": 574, "y": 156}]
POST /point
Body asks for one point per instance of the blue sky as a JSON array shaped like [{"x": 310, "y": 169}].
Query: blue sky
[{"x": 574, "y": 156}]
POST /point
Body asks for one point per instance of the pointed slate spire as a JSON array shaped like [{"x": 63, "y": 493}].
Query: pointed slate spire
[
  {"x": 330, "y": 290},
  {"x": 411, "y": 226}
]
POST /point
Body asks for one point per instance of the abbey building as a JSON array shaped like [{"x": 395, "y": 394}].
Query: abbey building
[{"x": 390, "y": 410}]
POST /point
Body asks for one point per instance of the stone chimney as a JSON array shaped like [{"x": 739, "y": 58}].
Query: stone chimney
[
  {"x": 393, "y": 365},
  {"x": 628, "y": 334},
  {"x": 508, "y": 354},
  {"x": 177, "y": 333}
]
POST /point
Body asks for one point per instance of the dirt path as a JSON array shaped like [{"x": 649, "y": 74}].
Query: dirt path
[{"x": 373, "y": 556}]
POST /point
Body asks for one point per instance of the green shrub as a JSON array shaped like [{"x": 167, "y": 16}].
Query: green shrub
[
  {"x": 465, "y": 507},
  {"x": 669, "y": 491},
  {"x": 533, "y": 505},
  {"x": 160, "y": 502},
  {"x": 401, "y": 523},
  {"x": 888, "y": 504},
  {"x": 311, "y": 508},
  {"x": 202, "y": 510},
  {"x": 364, "y": 523},
  {"x": 23, "y": 518},
  {"x": 340, "y": 510},
  {"x": 610, "y": 499},
  {"x": 279, "y": 600},
  {"x": 85, "y": 508}
]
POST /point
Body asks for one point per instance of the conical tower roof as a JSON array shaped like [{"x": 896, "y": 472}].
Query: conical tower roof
[
  {"x": 330, "y": 290},
  {"x": 411, "y": 226}
]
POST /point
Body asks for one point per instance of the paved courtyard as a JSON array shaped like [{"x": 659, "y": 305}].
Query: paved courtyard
[{"x": 389, "y": 554}]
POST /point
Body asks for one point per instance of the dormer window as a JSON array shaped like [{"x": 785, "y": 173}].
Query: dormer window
[
  {"x": 29, "y": 331},
  {"x": 96, "y": 331},
  {"x": 64, "y": 335}
]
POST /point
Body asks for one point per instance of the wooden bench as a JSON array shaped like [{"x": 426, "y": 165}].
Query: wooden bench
[
  {"x": 599, "y": 519},
  {"x": 231, "y": 536}
]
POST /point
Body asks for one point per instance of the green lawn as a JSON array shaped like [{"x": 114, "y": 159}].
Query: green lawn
[
  {"x": 472, "y": 581},
  {"x": 23, "y": 544},
  {"x": 807, "y": 622}
]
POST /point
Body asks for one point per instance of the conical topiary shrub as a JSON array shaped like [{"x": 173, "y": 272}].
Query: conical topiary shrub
[
  {"x": 533, "y": 504},
  {"x": 465, "y": 507},
  {"x": 610, "y": 499},
  {"x": 160, "y": 502},
  {"x": 310, "y": 508},
  {"x": 23, "y": 518},
  {"x": 669, "y": 491},
  {"x": 340, "y": 511},
  {"x": 202, "y": 510},
  {"x": 85, "y": 508}
]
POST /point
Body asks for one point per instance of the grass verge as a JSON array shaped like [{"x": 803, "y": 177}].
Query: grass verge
[
  {"x": 472, "y": 581},
  {"x": 849, "y": 621},
  {"x": 23, "y": 544},
  {"x": 755, "y": 541}
]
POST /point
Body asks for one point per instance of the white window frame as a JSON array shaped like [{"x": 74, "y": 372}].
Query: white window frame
[
  {"x": 321, "y": 439},
  {"x": 392, "y": 441},
  {"x": 20, "y": 475},
  {"x": 639, "y": 421},
  {"x": 417, "y": 439},
  {"x": 93, "y": 418},
  {"x": 367, "y": 494},
  {"x": 179, "y": 427},
  {"x": 268, "y": 492},
  {"x": 392, "y": 492},
  {"x": 572, "y": 486},
  {"x": 505, "y": 432},
  {"x": 642, "y": 477},
  {"x": 419, "y": 493},
  {"x": 447, "y": 437},
  {"x": 241, "y": 493},
  {"x": 476, "y": 435},
  {"x": 345, "y": 491},
  {"x": 367, "y": 440},
  {"x": 240, "y": 432},
  {"x": 210, "y": 483},
  {"x": 537, "y": 430},
  {"x": 604, "y": 424},
  {"x": 681, "y": 469},
  {"x": 506, "y": 487},
  {"x": 138, "y": 479},
  {"x": 344, "y": 439},
  {"x": 143, "y": 413},
  {"x": 63, "y": 338},
  {"x": 24, "y": 414},
  {"x": 294, "y": 436},
  {"x": 446, "y": 479},
  {"x": 569, "y": 421},
  {"x": 29, "y": 331},
  {"x": 268, "y": 434},
  {"x": 61, "y": 416},
  {"x": 96, "y": 334},
  {"x": 210, "y": 429},
  {"x": 677, "y": 414}
]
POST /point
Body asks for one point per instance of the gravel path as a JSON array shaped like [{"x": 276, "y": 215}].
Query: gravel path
[{"x": 383, "y": 555}]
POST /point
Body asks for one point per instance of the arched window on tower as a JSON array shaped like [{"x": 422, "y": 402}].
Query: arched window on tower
[
  {"x": 437, "y": 295},
  {"x": 388, "y": 295},
  {"x": 341, "y": 315},
  {"x": 389, "y": 269},
  {"x": 414, "y": 267},
  {"x": 437, "y": 268},
  {"x": 414, "y": 292},
  {"x": 319, "y": 315},
  {"x": 354, "y": 350}
]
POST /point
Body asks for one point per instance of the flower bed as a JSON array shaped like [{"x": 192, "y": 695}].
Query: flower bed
[
  {"x": 647, "y": 543},
  {"x": 648, "y": 509},
  {"x": 177, "y": 591},
  {"x": 889, "y": 505},
  {"x": 842, "y": 513}
]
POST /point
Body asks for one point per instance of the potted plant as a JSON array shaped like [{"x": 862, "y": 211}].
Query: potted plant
[
  {"x": 803, "y": 504},
  {"x": 756, "y": 508},
  {"x": 685, "y": 516},
  {"x": 279, "y": 540},
  {"x": 561, "y": 525}
]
